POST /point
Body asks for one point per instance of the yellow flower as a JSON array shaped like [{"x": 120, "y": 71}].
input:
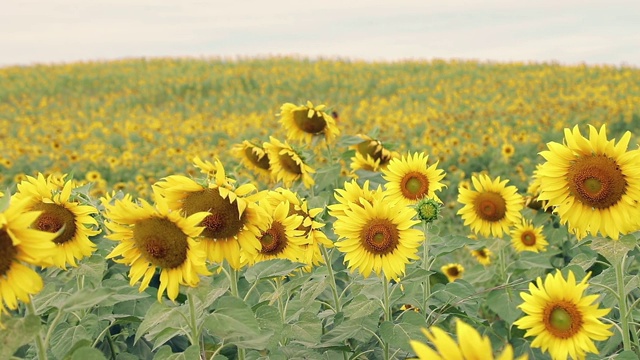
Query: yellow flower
[
  {"x": 593, "y": 184},
  {"x": 352, "y": 193},
  {"x": 526, "y": 237},
  {"x": 303, "y": 122},
  {"x": 452, "y": 271},
  {"x": 470, "y": 346},
  {"x": 287, "y": 165},
  {"x": 154, "y": 236},
  {"x": 253, "y": 157},
  {"x": 411, "y": 179},
  {"x": 563, "y": 321},
  {"x": 482, "y": 255},
  {"x": 492, "y": 207}
]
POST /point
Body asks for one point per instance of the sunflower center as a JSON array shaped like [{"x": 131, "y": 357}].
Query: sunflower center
[
  {"x": 490, "y": 206},
  {"x": 289, "y": 165},
  {"x": 161, "y": 242},
  {"x": 312, "y": 125},
  {"x": 274, "y": 240},
  {"x": 597, "y": 181},
  {"x": 8, "y": 252},
  {"x": 380, "y": 236},
  {"x": 562, "y": 319},
  {"x": 224, "y": 221},
  {"x": 261, "y": 162},
  {"x": 53, "y": 218},
  {"x": 453, "y": 271},
  {"x": 414, "y": 185},
  {"x": 528, "y": 238}
]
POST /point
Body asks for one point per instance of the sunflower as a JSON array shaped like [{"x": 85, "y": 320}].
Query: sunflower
[
  {"x": 378, "y": 237},
  {"x": 286, "y": 164},
  {"x": 483, "y": 255},
  {"x": 471, "y": 345},
  {"x": 281, "y": 237},
  {"x": 452, "y": 271},
  {"x": 533, "y": 191},
  {"x": 593, "y": 184},
  {"x": 526, "y": 237},
  {"x": 206, "y": 167},
  {"x": 154, "y": 236},
  {"x": 563, "y": 321},
  {"x": 353, "y": 193},
  {"x": 411, "y": 179},
  {"x": 492, "y": 207},
  {"x": 21, "y": 245},
  {"x": 234, "y": 218},
  {"x": 364, "y": 162},
  {"x": 310, "y": 226},
  {"x": 375, "y": 150},
  {"x": 253, "y": 157},
  {"x": 73, "y": 222},
  {"x": 507, "y": 151},
  {"x": 303, "y": 122}
]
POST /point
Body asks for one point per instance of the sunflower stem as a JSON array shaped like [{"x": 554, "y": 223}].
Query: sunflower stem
[
  {"x": 195, "y": 336},
  {"x": 502, "y": 255},
  {"x": 387, "y": 312},
  {"x": 233, "y": 281},
  {"x": 332, "y": 279},
  {"x": 622, "y": 304},
  {"x": 426, "y": 286},
  {"x": 42, "y": 350}
]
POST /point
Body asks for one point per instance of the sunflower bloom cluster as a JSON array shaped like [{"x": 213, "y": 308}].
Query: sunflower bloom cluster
[
  {"x": 564, "y": 321},
  {"x": 72, "y": 221},
  {"x": 470, "y": 346},
  {"x": 234, "y": 220},
  {"x": 492, "y": 207},
  {"x": 21, "y": 246},
  {"x": 286, "y": 164},
  {"x": 304, "y": 122},
  {"x": 592, "y": 184},
  {"x": 410, "y": 179}
]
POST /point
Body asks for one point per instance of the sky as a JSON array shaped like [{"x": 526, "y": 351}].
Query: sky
[{"x": 561, "y": 31}]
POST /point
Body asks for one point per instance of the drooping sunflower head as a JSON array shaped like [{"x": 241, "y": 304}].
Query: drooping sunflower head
[
  {"x": 452, "y": 271},
  {"x": 233, "y": 220},
  {"x": 492, "y": 207},
  {"x": 353, "y": 194},
  {"x": 411, "y": 179},
  {"x": 21, "y": 245},
  {"x": 303, "y": 122},
  {"x": 286, "y": 164},
  {"x": 364, "y": 162},
  {"x": 378, "y": 237},
  {"x": 155, "y": 237},
  {"x": 470, "y": 345},
  {"x": 564, "y": 321},
  {"x": 526, "y": 237},
  {"x": 374, "y": 149},
  {"x": 62, "y": 214},
  {"x": 592, "y": 184},
  {"x": 253, "y": 157},
  {"x": 483, "y": 255}
]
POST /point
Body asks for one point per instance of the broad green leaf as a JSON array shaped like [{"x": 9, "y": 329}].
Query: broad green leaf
[
  {"x": 270, "y": 269},
  {"x": 234, "y": 322},
  {"x": 530, "y": 260},
  {"x": 66, "y": 339},
  {"x": 446, "y": 244},
  {"x": 399, "y": 335},
  {"x": 307, "y": 330},
  {"x": 17, "y": 332},
  {"x": 614, "y": 250},
  {"x": 165, "y": 353},
  {"x": 269, "y": 321},
  {"x": 361, "y": 307},
  {"x": 351, "y": 329},
  {"x": 87, "y": 352},
  {"x": 92, "y": 269},
  {"x": 86, "y": 298},
  {"x": 158, "y": 318},
  {"x": 504, "y": 302},
  {"x": 583, "y": 260}
]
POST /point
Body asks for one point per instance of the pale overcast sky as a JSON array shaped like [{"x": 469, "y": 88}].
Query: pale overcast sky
[{"x": 565, "y": 31}]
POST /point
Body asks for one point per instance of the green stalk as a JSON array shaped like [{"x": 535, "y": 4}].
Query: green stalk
[
  {"x": 234, "y": 277},
  {"x": 195, "y": 336},
  {"x": 426, "y": 286},
  {"x": 387, "y": 313},
  {"x": 502, "y": 261},
  {"x": 622, "y": 304},
  {"x": 332, "y": 279},
  {"x": 42, "y": 350}
]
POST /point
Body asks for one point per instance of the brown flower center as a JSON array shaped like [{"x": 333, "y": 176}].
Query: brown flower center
[
  {"x": 53, "y": 218},
  {"x": 380, "y": 236},
  {"x": 562, "y": 319},
  {"x": 596, "y": 181},
  {"x": 274, "y": 240},
  {"x": 161, "y": 242},
  {"x": 490, "y": 206},
  {"x": 312, "y": 125},
  {"x": 289, "y": 164},
  {"x": 528, "y": 238},
  {"x": 414, "y": 185},
  {"x": 261, "y": 162},
  {"x": 8, "y": 252},
  {"x": 225, "y": 220},
  {"x": 453, "y": 271}
]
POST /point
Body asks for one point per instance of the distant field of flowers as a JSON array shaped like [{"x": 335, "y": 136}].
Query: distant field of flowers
[{"x": 288, "y": 208}]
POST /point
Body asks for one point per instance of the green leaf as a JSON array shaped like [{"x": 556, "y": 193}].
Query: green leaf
[
  {"x": 361, "y": 307},
  {"x": 159, "y": 318},
  {"x": 531, "y": 260},
  {"x": 399, "y": 335},
  {"x": 307, "y": 330},
  {"x": 87, "y": 352},
  {"x": 583, "y": 260},
  {"x": 17, "y": 332},
  {"x": 269, "y": 321},
  {"x": 66, "y": 339},
  {"x": 446, "y": 244},
  {"x": 325, "y": 177},
  {"x": 504, "y": 302},
  {"x": 614, "y": 250},
  {"x": 86, "y": 298},
  {"x": 92, "y": 269},
  {"x": 234, "y": 322},
  {"x": 271, "y": 269},
  {"x": 165, "y": 353},
  {"x": 351, "y": 329}
]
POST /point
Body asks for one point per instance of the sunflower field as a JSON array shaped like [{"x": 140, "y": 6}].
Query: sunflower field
[{"x": 289, "y": 208}]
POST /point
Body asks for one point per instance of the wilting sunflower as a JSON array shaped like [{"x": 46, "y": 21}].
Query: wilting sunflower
[
  {"x": 21, "y": 245},
  {"x": 59, "y": 213},
  {"x": 452, "y": 271},
  {"x": 253, "y": 157},
  {"x": 154, "y": 236},
  {"x": 310, "y": 226},
  {"x": 526, "y": 237},
  {"x": 471, "y": 345},
  {"x": 492, "y": 207},
  {"x": 592, "y": 184},
  {"x": 286, "y": 164},
  {"x": 353, "y": 193},
  {"x": 563, "y": 321},
  {"x": 411, "y": 179},
  {"x": 378, "y": 237},
  {"x": 483, "y": 255},
  {"x": 280, "y": 238},
  {"x": 234, "y": 218},
  {"x": 303, "y": 122}
]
